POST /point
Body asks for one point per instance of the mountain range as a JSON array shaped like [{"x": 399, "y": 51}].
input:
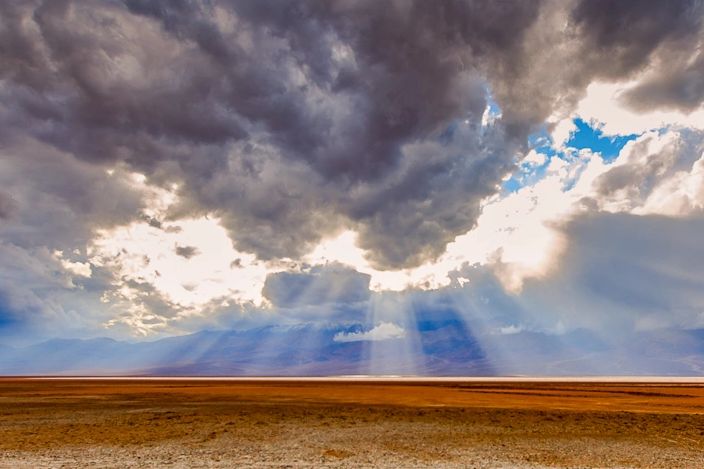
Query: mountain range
[{"x": 435, "y": 349}]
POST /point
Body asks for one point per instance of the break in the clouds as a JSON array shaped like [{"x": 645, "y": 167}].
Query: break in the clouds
[{"x": 167, "y": 167}]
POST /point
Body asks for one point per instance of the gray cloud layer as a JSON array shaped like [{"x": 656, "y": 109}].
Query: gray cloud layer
[
  {"x": 292, "y": 120},
  {"x": 329, "y": 284}
]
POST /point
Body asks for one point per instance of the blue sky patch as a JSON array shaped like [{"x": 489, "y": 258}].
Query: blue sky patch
[
  {"x": 542, "y": 143},
  {"x": 512, "y": 184},
  {"x": 594, "y": 139},
  {"x": 585, "y": 136},
  {"x": 493, "y": 107}
]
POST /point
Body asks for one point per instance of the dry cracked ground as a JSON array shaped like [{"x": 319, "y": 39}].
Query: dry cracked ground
[{"x": 216, "y": 423}]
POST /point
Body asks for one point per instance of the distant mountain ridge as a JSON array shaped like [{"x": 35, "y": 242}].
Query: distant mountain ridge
[{"x": 441, "y": 349}]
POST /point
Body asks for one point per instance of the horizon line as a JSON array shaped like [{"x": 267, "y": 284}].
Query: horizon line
[{"x": 375, "y": 378}]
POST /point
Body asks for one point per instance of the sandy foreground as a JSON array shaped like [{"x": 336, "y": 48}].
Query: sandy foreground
[{"x": 343, "y": 423}]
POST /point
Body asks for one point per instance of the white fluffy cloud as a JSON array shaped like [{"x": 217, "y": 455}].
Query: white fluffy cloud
[
  {"x": 188, "y": 263},
  {"x": 603, "y": 105},
  {"x": 658, "y": 173},
  {"x": 163, "y": 271},
  {"x": 82, "y": 269},
  {"x": 382, "y": 331}
]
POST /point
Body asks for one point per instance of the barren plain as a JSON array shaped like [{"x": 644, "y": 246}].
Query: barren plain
[{"x": 348, "y": 423}]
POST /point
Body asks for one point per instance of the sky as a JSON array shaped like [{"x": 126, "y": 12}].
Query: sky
[{"x": 529, "y": 168}]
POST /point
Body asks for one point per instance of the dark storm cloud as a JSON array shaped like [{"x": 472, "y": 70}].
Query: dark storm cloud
[
  {"x": 7, "y": 205},
  {"x": 572, "y": 44},
  {"x": 187, "y": 251},
  {"x": 625, "y": 34},
  {"x": 627, "y": 37},
  {"x": 624, "y": 273},
  {"x": 626, "y": 297},
  {"x": 345, "y": 89},
  {"x": 285, "y": 118},
  {"x": 290, "y": 120},
  {"x": 681, "y": 88},
  {"x": 58, "y": 201},
  {"x": 320, "y": 285}
]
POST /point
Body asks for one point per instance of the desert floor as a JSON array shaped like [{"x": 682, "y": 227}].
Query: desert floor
[{"x": 212, "y": 423}]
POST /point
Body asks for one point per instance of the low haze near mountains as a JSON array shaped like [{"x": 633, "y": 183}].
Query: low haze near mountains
[{"x": 293, "y": 188}]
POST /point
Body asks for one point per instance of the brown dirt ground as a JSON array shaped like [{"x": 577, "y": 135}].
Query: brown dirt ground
[{"x": 182, "y": 423}]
